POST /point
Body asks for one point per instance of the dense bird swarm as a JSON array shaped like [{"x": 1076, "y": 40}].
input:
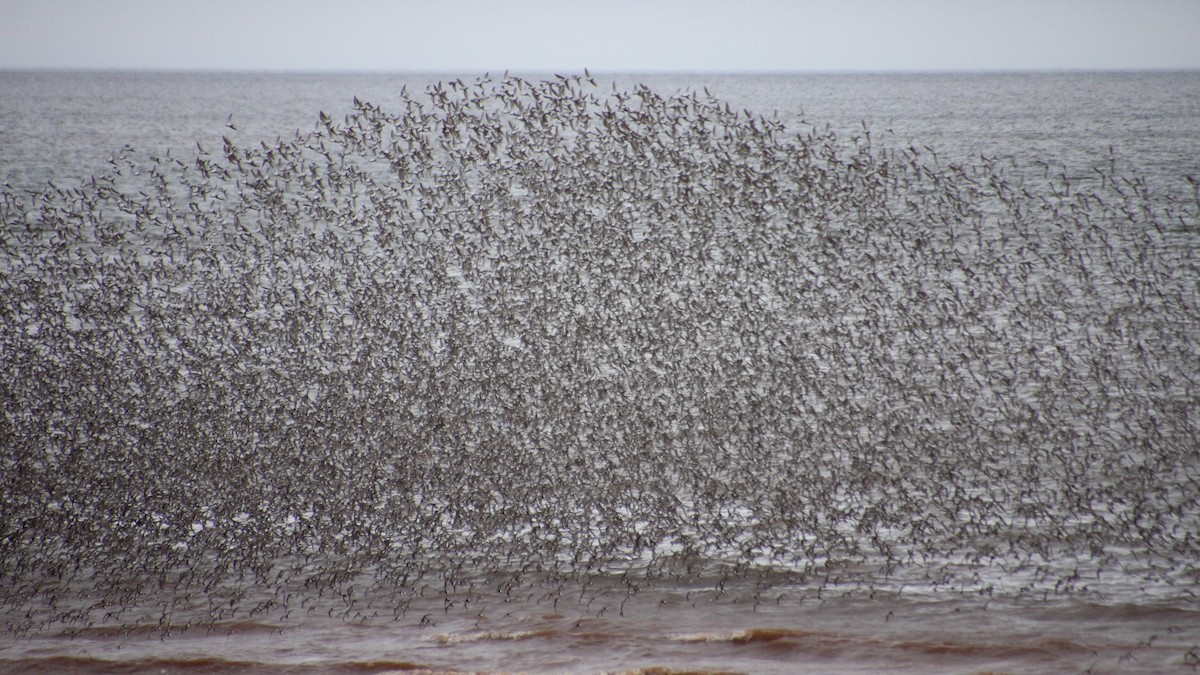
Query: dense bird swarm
[{"x": 515, "y": 337}]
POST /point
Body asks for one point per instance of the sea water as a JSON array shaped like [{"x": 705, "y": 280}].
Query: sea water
[{"x": 60, "y": 129}]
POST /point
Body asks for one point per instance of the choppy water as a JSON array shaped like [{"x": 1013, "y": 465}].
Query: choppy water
[{"x": 519, "y": 375}]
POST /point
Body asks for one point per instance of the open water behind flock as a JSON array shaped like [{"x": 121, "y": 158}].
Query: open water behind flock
[
  {"x": 64, "y": 126},
  {"x": 540, "y": 374}
]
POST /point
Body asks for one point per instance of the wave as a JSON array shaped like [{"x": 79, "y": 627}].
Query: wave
[
  {"x": 199, "y": 664},
  {"x": 852, "y": 646}
]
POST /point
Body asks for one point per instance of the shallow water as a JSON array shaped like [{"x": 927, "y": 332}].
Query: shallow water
[{"x": 667, "y": 630}]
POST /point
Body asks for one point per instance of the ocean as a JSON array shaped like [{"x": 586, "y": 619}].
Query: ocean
[
  {"x": 612, "y": 373},
  {"x": 64, "y": 126}
]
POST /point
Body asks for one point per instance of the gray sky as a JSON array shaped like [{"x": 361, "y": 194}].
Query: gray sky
[{"x": 622, "y": 35}]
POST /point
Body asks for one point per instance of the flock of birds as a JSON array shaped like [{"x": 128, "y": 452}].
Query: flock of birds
[{"x": 527, "y": 339}]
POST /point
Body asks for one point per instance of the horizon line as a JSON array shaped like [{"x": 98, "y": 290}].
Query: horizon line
[{"x": 569, "y": 72}]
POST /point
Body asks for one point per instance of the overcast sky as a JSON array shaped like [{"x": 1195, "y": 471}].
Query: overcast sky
[{"x": 606, "y": 36}]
